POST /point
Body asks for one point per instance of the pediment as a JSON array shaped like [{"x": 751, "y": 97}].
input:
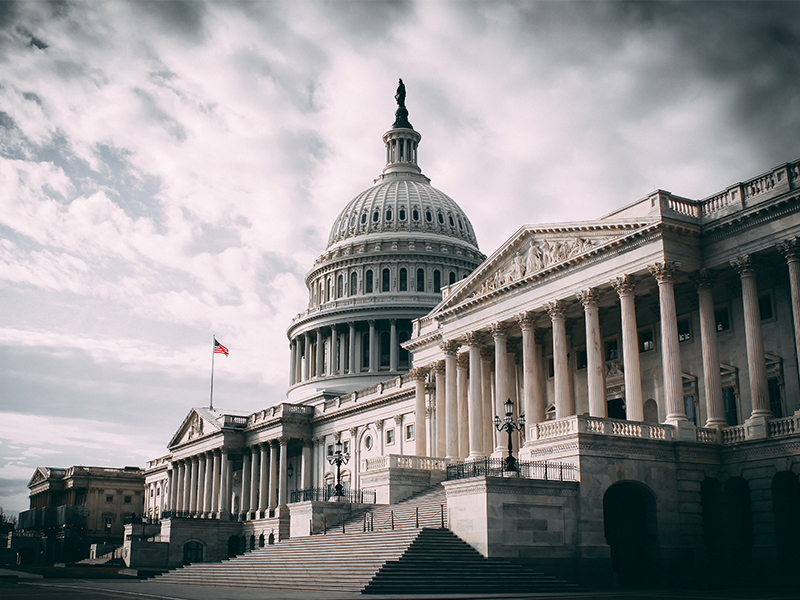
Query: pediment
[
  {"x": 199, "y": 423},
  {"x": 536, "y": 250},
  {"x": 41, "y": 475}
]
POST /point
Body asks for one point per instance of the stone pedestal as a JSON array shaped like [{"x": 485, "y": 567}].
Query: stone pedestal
[{"x": 756, "y": 428}]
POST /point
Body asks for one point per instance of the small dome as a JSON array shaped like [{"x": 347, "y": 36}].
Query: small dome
[{"x": 407, "y": 203}]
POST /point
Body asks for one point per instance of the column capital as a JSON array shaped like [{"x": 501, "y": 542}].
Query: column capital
[
  {"x": 790, "y": 249},
  {"x": 353, "y": 431},
  {"x": 664, "y": 272},
  {"x": 318, "y": 441},
  {"x": 351, "y": 324},
  {"x": 590, "y": 298},
  {"x": 378, "y": 424},
  {"x": 487, "y": 353},
  {"x": 744, "y": 265},
  {"x": 392, "y": 321},
  {"x": 371, "y": 322},
  {"x": 463, "y": 360},
  {"x": 703, "y": 279},
  {"x": 418, "y": 373},
  {"x": 556, "y": 309},
  {"x": 283, "y": 441},
  {"x": 450, "y": 347},
  {"x": 429, "y": 410},
  {"x": 473, "y": 338},
  {"x": 398, "y": 419},
  {"x": 438, "y": 367},
  {"x": 498, "y": 330},
  {"x": 526, "y": 320},
  {"x": 307, "y": 443},
  {"x": 624, "y": 285}
]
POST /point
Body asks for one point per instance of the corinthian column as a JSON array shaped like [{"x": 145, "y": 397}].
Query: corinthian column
[
  {"x": 201, "y": 482},
  {"x": 306, "y": 356},
  {"x": 215, "y": 483},
  {"x": 283, "y": 482},
  {"x": 462, "y": 386},
  {"x": 712, "y": 382},
  {"x": 393, "y": 347},
  {"x": 441, "y": 410},
  {"x": 351, "y": 348},
  {"x": 263, "y": 480},
  {"x": 634, "y": 406},
  {"x": 372, "y": 343},
  {"x": 557, "y": 314},
  {"x": 273, "y": 475},
  {"x": 595, "y": 366},
  {"x": 486, "y": 394},
  {"x": 791, "y": 250},
  {"x": 253, "y": 480},
  {"x": 499, "y": 333},
  {"x": 475, "y": 399},
  {"x": 320, "y": 348},
  {"x": 756, "y": 361},
  {"x": 418, "y": 375},
  {"x": 670, "y": 352},
  {"x": 451, "y": 399},
  {"x": 333, "y": 358},
  {"x": 224, "y": 489},
  {"x": 244, "y": 497}
]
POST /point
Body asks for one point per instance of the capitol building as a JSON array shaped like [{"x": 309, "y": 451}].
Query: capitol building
[{"x": 643, "y": 367}]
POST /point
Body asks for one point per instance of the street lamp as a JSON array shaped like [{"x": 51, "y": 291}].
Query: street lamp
[
  {"x": 339, "y": 458},
  {"x": 508, "y": 424}
]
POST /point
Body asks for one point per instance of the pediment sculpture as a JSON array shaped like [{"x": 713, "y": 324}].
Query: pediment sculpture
[{"x": 196, "y": 429}]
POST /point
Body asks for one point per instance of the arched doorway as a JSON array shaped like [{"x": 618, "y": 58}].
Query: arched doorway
[
  {"x": 629, "y": 522},
  {"x": 192, "y": 552},
  {"x": 786, "y": 509},
  {"x": 233, "y": 546}
]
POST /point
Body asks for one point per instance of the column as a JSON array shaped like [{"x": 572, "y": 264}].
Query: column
[
  {"x": 342, "y": 353},
  {"x": 756, "y": 361},
  {"x": 201, "y": 483},
  {"x": 393, "y": 346},
  {"x": 229, "y": 487},
  {"x": 273, "y": 475},
  {"x": 595, "y": 365},
  {"x": 254, "y": 483},
  {"x": 475, "y": 398},
  {"x": 351, "y": 367},
  {"x": 541, "y": 370},
  {"x": 244, "y": 496},
  {"x": 513, "y": 387},
  {"x": 187, "y": 485},
  {"x": 462, "y": 387},
  {"x": 306, "y": 355},
  {"x": 791, "y": 251},
  {"x": 634, "y": 405},
  {"x": 451, "y": 399},
  {"x": 333, "y": 359},
  {"x": 670, "y": 352},
  {"x": 263, "y": 480},
  {"x": 557, "y": 314},
  {"x": 292, "y": 359},
  {"x": 305, "y": 465},
  {"x": 298, "y": 361},
  {"x": 320, "y": 348},
  {"x": 224, "y": 491},
  {"x": 499, "y": 332},
  {"x": 282, "y": 483},
  {"x": 441, "y": 410},
  {"x": 418, "y": 375},
  {"x": 173, "y": 487},
  {"x": 209, "y": 491},
  {"x": 372, "y": 353},
  {"x": 486, "y": 397},
  {"x": 398, "y": 420},
  {"x": 215, "y": 484},
  {"x": 712, "y": 382}
]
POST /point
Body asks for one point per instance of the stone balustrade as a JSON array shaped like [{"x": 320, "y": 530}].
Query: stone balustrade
[
  {"x": 397, "y": 461},
  {"x": 781, "y": 427}
]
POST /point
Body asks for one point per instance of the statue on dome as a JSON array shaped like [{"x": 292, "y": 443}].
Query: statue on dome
[{"x": 400, "y": 96}]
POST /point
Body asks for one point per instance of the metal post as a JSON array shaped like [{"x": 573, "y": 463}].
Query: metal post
[
  {"x": 310, "y": 527},
  {"x": 442, "y": 508},
  {"x": 365, "y": 522},
  {"x": 343, "y": 524},
  {"x": 392, "y": 520},
  {"x": 324, "y": 526},
  {"x": 417, "y": 517}
]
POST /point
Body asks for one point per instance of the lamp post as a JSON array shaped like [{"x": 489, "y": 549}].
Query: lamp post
[
  {"x": 509, "y": 425},
  {"x": 339, "y": 458}
]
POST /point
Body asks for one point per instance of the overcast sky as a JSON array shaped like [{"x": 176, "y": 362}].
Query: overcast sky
[{"x": 172, "y": 169}]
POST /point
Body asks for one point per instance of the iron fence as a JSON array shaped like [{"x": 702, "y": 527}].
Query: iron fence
[
  {"x": 495, "y": 467},
  {"x": 324, "y": 494}
]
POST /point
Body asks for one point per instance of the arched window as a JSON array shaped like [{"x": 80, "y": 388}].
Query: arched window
[
  {"x": 415, "y": 215},
  {"x": 353, "y": 221},
  {"x": 452, "y": 223},
  {"x": 388, "y": 214},
  {"x": 340, "y": 287},
  {"x": 428, "y": 216},
  {"x": 330, "y": 289},
  {"x": 420, "y": 280},
  {"x": 403, "y": 279},
  {"x": 441, "y": 219},
  {"x": 375, "y": 216},
  {"x": 385, "y": 280},
  {"x": 363, "y": 218},
  {"x": 437, "y": 281},
  {"x": 452, "y": 277},
  {"x": 368, "y": 282},
  {"x": 402, "y": 213},
  {"x": 353, "y": 283}
]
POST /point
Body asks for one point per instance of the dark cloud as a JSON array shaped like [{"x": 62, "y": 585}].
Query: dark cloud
[{"x": 185, "y": 18}]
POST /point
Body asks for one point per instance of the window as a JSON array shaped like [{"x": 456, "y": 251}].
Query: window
[
  {"x": 460, "y": 225},
  {"x": 452, "y": 277},
  {"x": 385, "y": 349},
  {"x": 389, "y": 437},
  {"x": 452, "y": 223},
  {"x": 403, "y": 279},
  {"x": 765, "y": 307},
  {"x": 389, "y": 214},
  {"x": 415, "y": 214},
  {"x": 410, "y": 431},
  {"x": 429, "y": 216},
  {"x": 722, "y": 319},
  {"x": 365, "y": 351},
  {"x": 402, "y": 214},
  {"x": 774, "y": 389},
  {"x": 353, "y": 221},
  {"x": 420, "y": 280},
  {"x": 340, "y": 287},
  {"x": 346, "y": 447},
  {"x": 684, "y": 330},
  {"x": 353, "y": 284},
  {"x": 127, "y": 499},
  {"x": 368, "y": 442},
  {"x": 729, "y": 405},
  {"x": 646, "y": 341},
  {"x": 363, "y": 218},
  {"x": 375, "y": 216},
  {"x": 385, "y": 280},
  {"x": 441, "y": 218},
  {"x": 612, "y": 350},
  {"x": 690, "y": 408},
  {"x": 582, "y": 361},
  {"x": 330, "y": 449},
  {"x": 437, "y": 281},
  {"x": 109, "y": 498},
  {"x": 368, "y": 282}
]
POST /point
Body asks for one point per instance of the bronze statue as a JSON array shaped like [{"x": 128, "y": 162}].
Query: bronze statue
[{"x": 400, "y": 96}]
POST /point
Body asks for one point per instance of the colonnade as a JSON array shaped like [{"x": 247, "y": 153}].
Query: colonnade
[
  {"x": 202, "y": 485},
  {"x": 338, "y": 349},
  {"x": 463, "y": 382}
]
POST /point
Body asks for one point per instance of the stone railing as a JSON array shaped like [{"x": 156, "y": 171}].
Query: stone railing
[
  {"x": 780, "y": 427},
  {"x": 600, "y": 426},
  {"x": 708, "y": 435},
  {"x": 397, "y": 461},
  {"x": 731, "y": 435}
]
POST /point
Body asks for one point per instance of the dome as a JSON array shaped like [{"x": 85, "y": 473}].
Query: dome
[{"x": 404, "y": 203}]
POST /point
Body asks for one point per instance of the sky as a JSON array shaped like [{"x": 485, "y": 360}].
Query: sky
[{"x": 170, "y": 170}]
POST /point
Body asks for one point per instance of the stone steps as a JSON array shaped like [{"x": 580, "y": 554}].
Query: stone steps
[{"x": 427, "y": 502}]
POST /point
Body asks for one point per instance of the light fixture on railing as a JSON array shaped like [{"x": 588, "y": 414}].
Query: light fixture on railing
[
  {"x": 507, "y": 424},
  {"x": 339, "y": 458},
  {"x": 290, "y": 470}
]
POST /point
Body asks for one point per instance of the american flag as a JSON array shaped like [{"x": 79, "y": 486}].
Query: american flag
[{"x": 219, "y": 348}]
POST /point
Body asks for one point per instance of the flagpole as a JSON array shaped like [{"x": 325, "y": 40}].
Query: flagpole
[{"x": 213, "y": 341}]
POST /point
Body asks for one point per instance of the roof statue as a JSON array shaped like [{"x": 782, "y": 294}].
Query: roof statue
[{"x": 401, "y": 114}]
